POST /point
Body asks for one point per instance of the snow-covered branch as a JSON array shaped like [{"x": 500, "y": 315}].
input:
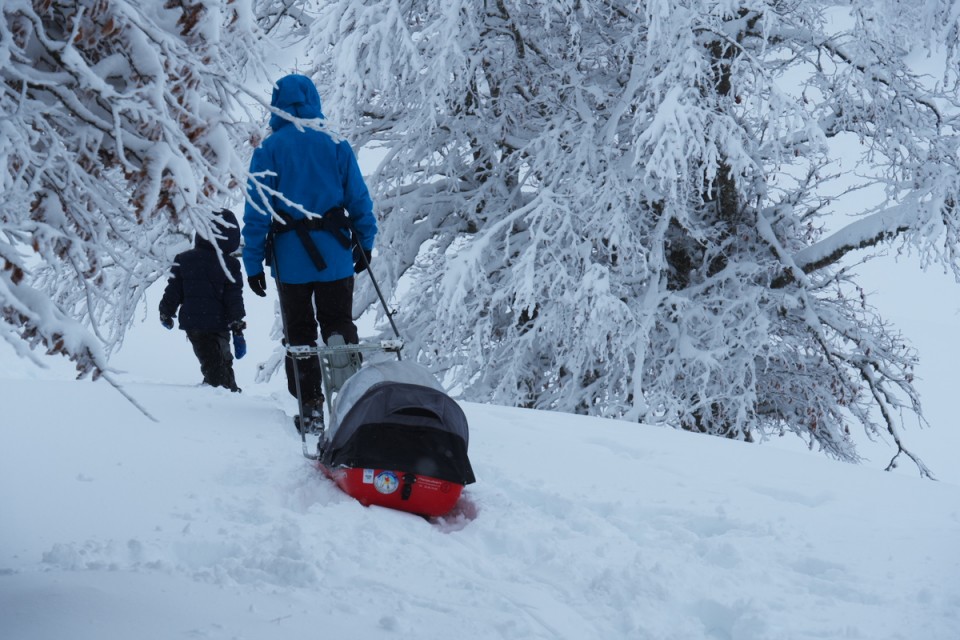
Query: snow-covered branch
[
  {"x": 586, "y": 203},
  {"x": 118, "y": 139}
]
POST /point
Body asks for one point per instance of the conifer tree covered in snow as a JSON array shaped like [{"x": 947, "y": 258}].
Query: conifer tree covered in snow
[
  {"x": 116, "y": 142},
  {"x": 639, "y": 209}
]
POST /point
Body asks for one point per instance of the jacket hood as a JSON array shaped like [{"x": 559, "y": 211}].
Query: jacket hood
[
  {"x": 227, "y": 230},
  {"x": 297, "y": 95}
]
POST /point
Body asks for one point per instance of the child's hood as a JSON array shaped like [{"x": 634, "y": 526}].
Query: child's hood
[{"x": 227, "y": 231}]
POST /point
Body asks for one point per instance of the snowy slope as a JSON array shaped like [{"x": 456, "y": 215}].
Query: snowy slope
[{"x": 208, "y": 523}]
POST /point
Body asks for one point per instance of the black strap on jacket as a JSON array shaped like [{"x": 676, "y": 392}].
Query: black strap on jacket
[{"x": 334, "y": 221}]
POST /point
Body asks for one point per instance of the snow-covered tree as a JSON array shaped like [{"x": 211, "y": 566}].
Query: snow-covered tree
[
  {"x": 622, "y": 208},
  {"x": 116, "y": 142}
]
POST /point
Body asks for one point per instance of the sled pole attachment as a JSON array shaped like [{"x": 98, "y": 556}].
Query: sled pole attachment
[
  {"x": 333, "y": 383},
  {"x": 376, "y": 286},
  {"x": 286, "y": 343}
]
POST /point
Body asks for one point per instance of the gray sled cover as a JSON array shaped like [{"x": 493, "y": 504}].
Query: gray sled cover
[{"x": 395, "y": 415}]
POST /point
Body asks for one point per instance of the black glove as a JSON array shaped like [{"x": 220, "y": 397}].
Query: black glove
[
  {"x": 239, "y": 345},
  {"x": 258, "y": 284},
  {"x": 166, "y": 321},
  {"x": 361, "y": 258},
  {"x": 237, "y": 326}
]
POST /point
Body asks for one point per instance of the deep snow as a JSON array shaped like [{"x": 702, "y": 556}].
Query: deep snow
[{"x": 208, "y": 523}]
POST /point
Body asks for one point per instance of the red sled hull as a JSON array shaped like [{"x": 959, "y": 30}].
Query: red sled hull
[{"x": 403, "y": 491}]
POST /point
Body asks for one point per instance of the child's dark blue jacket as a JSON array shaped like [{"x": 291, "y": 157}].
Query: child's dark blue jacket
[{"x": 198, "y": 286}]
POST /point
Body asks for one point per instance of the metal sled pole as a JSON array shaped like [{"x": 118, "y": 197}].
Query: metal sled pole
[
  {"x": 333, "y": 380},
  {"x": 325, "y": 353},
  {"x": 286, "y": 339},
  {"x": 383, "y": 301}
]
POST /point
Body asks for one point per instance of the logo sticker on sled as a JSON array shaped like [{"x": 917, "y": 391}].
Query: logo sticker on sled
[
  {"x": 386, "y": 482},
  {"x": 368, "y": 476}
]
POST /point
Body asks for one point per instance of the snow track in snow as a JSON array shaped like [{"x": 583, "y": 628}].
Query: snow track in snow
[{"x": 209, "y": 523}]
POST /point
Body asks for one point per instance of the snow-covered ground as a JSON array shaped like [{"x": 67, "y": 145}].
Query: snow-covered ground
[{"x": 208, "y": 523}]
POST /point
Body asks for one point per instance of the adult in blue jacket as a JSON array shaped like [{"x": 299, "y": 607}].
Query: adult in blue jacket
[{"x": 310, "y": 218}]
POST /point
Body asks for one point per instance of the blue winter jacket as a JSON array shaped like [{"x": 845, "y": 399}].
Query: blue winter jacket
[
  {"x": 198, "y": 287},
  {"x": 314, "y": 170}
]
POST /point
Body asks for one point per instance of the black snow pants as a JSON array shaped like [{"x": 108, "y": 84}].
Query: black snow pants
[
  {"x": 304, "y": 306},
  {"x": 212, "y": 349}
]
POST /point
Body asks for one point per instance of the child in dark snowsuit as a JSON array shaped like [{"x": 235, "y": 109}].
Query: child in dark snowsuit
[{"x": 211, "y": 306}]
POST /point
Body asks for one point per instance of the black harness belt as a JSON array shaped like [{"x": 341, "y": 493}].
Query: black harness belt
[{"x": 334, "y": 221}]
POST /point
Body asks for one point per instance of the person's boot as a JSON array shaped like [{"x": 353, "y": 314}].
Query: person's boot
[{"x": 313, "y": 417}]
